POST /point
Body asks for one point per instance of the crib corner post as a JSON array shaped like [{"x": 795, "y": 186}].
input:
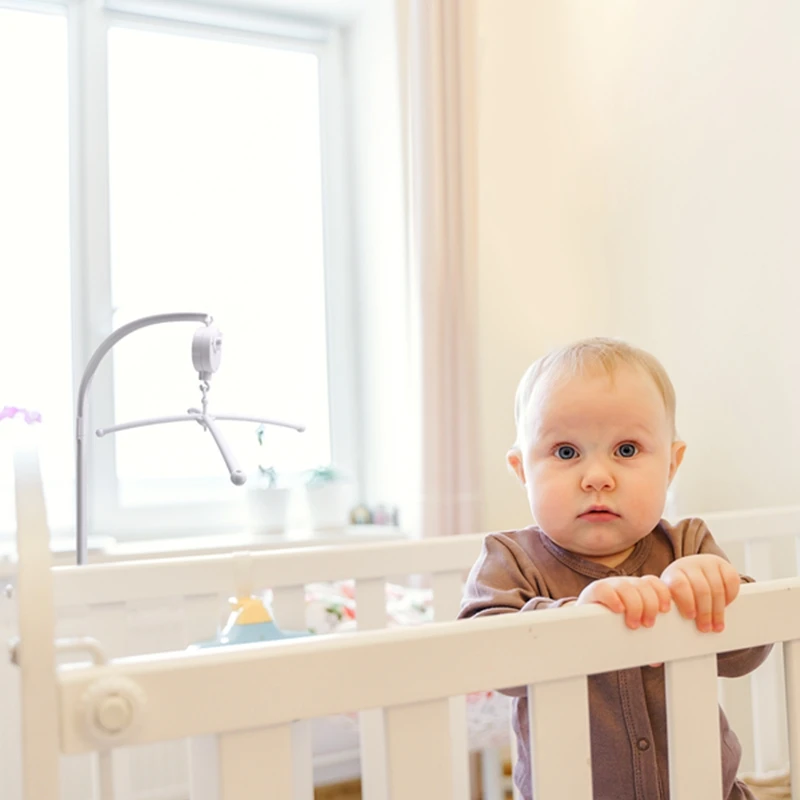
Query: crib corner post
[{"x": 35, "y": 651}]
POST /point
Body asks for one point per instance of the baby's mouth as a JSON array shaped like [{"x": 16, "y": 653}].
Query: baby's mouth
[{"x": 599, "y": 514}]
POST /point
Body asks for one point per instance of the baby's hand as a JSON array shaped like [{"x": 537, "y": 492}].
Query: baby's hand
[
  {"x": 702, "y": 586},
  {"x": 640, "y": 599}
]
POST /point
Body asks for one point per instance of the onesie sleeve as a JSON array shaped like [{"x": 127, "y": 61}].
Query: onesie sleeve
[{"x": 499, "y": 584}]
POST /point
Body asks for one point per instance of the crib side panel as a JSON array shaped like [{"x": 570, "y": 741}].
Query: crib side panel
[
  {"x": 764, "y": 544},
  {"x": 131, "y": 618}
]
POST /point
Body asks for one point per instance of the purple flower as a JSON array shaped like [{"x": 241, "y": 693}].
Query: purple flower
[{"x": 9, "y": 412}]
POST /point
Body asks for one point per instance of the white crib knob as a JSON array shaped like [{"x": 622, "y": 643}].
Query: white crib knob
[
  {"x": 114, "y": 714},
  {"x": 112, "y": 708}
]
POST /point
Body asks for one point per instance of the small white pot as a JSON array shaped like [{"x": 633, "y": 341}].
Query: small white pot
[
  {"x": 329, "y": 504},
  {"x": 267, "y": 508}
]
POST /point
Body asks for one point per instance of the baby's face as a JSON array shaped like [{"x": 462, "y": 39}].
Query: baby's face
[{"x": 598, "y": 456}]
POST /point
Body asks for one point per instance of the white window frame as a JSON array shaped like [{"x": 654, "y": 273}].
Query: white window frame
[{"x": 297, "y": 24}]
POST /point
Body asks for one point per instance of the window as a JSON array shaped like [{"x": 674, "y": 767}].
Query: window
[
  {"x": 207, "y": 175},
  {"x": 34, "y": 250},
  {"x": 216, "y": 204}
]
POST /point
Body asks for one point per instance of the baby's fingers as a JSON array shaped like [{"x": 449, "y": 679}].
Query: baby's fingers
[
  {"x": 651, "y": 603},
  {"x": 663, "y": 596},
  {"x": 602, "y": 593},
  {"x": 731, "y": 580},
  {"x": 634, "y": 603},
  {"x": 682, "y": 592}
]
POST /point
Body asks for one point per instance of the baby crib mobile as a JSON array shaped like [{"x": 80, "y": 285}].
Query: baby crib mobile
[{"x": 206, "y": 356}]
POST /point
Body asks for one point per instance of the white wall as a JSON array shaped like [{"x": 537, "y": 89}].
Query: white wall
[{"x": 638, "y": 170}]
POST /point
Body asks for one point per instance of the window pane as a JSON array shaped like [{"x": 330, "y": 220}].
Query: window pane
[
  {"x": 216, "y": 206},
  {"x": 34, "y": 252}
]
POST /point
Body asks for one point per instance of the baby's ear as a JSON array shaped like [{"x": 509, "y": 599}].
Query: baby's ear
[
  {"x": 514, "y": 461},
  {"x": 676, "y": 457}
]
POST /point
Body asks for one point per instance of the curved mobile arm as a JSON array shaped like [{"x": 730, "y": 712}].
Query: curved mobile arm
[{"x": 86, "y": 380}]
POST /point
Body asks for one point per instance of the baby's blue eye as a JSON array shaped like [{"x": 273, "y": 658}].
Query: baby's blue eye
[
  {"x": 627, "y": 450},
  {"x": 566, "y": 452}
]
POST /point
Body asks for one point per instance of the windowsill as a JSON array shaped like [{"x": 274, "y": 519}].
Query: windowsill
[{"x": 108, "y": 549}]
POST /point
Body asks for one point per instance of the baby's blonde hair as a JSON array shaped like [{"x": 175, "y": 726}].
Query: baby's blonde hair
[{"x": 579, "y": 358}]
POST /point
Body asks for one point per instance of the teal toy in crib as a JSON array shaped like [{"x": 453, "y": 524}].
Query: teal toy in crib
[{"x": 249, "y": 622}]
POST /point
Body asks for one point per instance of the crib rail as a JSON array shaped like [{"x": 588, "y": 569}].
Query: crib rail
[
  {"x": 242, "y": 572},
  {"x": 212, "y": 693}
]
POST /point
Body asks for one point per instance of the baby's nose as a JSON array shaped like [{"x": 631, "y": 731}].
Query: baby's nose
[{"x": 598, "y": 476}]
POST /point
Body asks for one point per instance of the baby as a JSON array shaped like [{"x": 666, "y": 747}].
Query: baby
[{"x": 596, "y": 450}]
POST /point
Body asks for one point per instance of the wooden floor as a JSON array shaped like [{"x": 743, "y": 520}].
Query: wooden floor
[
  {"x": 771, "y": 787},
  {"x": 351, "y": 790}
]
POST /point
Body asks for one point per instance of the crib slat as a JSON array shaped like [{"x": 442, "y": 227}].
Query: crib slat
[
  {"x": 36, "y": 656},
  {"x": 791, "y": 666},
  {"x": 204, "y": 768},
  {"x": 561, "y": 765},
  {"x": 371, "y": 604},
  {"x": 256, "y": 764},
  {"x": 447, "y": 591},
  {"x": 417, "y": 739},
  {"x": 769, "y": 715},
  {"x": 695, "y": 769},
  {"x": 797, "y": 554},
  {"x": 371, "y": 615},
  {"x": 289, "y": 607},
  {"x": 302, "y": 760},
  {"x": 289, "y": 612},
  {"x": 459, "y": 747}
]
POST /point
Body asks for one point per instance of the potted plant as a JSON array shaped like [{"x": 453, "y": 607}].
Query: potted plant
[
  {"x": 330, "y": 496},
  {"x": 267, "y": 498}
]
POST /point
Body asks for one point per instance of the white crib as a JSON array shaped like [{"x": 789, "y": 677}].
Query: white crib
[{"x": 246, "y": 710}]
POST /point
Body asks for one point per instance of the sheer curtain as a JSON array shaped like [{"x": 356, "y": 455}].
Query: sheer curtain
[{"x": 436, "y": 59}]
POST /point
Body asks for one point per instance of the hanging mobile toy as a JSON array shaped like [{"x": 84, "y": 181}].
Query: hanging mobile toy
[{"x": 206, "y": 356}]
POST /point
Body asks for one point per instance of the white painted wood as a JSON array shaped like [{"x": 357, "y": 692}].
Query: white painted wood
[
  {"x": 447, "y": 593},
  {"x": 371, "y": 615},
  {"x": 491, "y": 768},
  {"x": 212, "y": 690},
  {"x": 202, "y": 616},
  {"x": 791, "y": 661},
  {"x": 36, "y": 650},
  {"x": 758, "y": 559},
  {"x": 204, "y": 768},
  {"x": 695, "y": 768},
  {"x": 561, "y": 764},
  {"x": 448, "y": 589},
  {"x": 797, "y": 553},
  {"x": 371, "y": 603},
  {"x": 459, "y": 747},
  {"x": 218, "y": 574},
  {"x": 289, "y": 613},
  {"x": 417, "y": 739},
  {"x": 302, "y": 761},
  {"x": 753, "y": 524},
  {"x": 289, "y": 607},
  {"x": 766, "y": 684},
  {"x": 769, "y": 714},
  {"x": 515, "y": 793},
  {"x": 242, "y": 565},
  {"x": 256, "y": 764},
  {"x": 105, "y": 776}
]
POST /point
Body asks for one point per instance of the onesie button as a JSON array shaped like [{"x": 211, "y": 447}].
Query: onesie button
[{"x": 643, "y": 744}]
